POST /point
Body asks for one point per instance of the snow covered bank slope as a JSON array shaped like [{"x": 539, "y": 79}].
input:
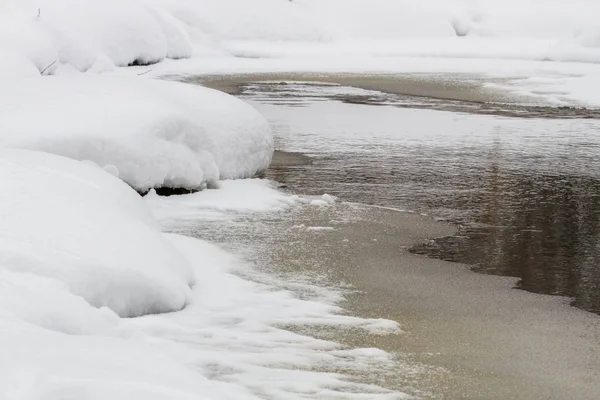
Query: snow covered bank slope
[
  {"x": 79, "y": 251},
  {"x": 148, "y": 133},
  {"x": 77, "y": 225}
]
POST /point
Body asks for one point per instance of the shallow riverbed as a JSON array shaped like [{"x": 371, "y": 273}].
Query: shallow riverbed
[
  {"x": 525, "y": 191},
  {"x": 523, "y": 194}
]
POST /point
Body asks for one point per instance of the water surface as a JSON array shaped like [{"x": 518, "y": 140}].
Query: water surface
[{"x": 522, "y": 183}]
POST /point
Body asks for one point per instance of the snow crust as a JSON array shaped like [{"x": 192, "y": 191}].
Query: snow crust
[{"x": 148, "y": 133}]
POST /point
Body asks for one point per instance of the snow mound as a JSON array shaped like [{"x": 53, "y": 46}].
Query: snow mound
[
  {"x": 148, "y": 133},
  {"x": 67, "y": 224}
]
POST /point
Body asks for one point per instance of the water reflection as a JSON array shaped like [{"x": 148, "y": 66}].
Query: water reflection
[
  {"x": 526, "y": 194},
  {"x": 543, "y": 229}
]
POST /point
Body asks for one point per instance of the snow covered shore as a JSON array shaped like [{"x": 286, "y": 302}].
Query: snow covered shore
[
  {"x": 55, "y": 36},
  {"x": 544, "y": 48},
  {"x": 96, "y": 301},
  {"x": 80, "y": 251},
  {"x": 149, "y": 133}
]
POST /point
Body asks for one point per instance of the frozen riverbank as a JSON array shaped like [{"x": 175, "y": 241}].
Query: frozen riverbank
[{"x": 98, "y": 302}]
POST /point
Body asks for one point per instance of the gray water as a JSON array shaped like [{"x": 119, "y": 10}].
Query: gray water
[{"x": 524, "y": 189}]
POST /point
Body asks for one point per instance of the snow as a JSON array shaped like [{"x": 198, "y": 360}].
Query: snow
[
  {"x": 320, "y": 228},
  {"x": 149, "y": 133},
  {"x": 80, "y": 251},
  {"x": 99, "y": 35},
  {"x": 75, "y": 224},
  {"x": 63, "y": 37},
  {"x": 248, "y": 196}
]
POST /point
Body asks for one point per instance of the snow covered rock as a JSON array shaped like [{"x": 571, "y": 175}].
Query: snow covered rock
[
  {"x": 67, "y": 224},
  {"x": 149, "y": 133}
]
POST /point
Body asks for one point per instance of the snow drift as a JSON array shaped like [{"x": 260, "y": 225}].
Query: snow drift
[
  {"x": 79, "y": 226},
  {"x": 148, "y": 133}
]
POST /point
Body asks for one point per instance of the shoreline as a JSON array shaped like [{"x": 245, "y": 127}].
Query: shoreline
[
  {"x": 465, "y": 335},
  {"x": 465, "y": 93},
  {"x": 469, "y": 335}
]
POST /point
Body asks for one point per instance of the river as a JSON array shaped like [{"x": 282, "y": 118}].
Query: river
[{"x": 506, "y": 190}]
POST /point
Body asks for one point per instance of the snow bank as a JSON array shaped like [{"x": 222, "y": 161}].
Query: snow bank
[
  {"x": 54, "y": 36},
  {"x": 148, "y": 133},
  {"x": 90, "y": 35},
  {"x": 96, "y": 36},
  {"x": 78, "y": 226},
  {"x": 79, "y": 251}
]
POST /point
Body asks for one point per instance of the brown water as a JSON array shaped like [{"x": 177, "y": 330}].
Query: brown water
[{"x": 524, "y": 191}]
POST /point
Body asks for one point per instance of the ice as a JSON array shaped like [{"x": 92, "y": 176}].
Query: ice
[
  {"x": 75, "y": 224},
  {"x": 148, "y": 133}
]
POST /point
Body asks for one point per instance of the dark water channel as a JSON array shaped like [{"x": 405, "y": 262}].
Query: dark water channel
[{"x": 524, "y": 189}]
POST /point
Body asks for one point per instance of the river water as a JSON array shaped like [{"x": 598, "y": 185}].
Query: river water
[
  {"x": 522, "y": 183},
  {"x": 514, "y": 189}
]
